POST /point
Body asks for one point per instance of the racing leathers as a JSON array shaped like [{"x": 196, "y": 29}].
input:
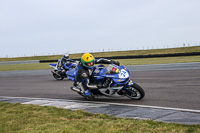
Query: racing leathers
[{"x": 64, "y": 64}]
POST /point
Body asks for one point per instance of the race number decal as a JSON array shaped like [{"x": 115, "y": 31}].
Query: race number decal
[{"x": 123, "y": 74}]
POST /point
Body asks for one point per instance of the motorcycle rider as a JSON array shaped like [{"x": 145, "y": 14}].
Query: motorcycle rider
[
  {"x": 64, "y": 63},
  {"x": 85, "y": 70}
]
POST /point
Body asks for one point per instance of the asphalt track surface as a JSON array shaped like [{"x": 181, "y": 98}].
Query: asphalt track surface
[{"x": 166, "y": 85}]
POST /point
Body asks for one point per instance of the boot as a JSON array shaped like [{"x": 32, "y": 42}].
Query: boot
[{"x": 75, "y": 88}]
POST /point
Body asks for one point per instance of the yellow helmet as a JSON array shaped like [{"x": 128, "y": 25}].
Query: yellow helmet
[{"x": 87, "y": 60}]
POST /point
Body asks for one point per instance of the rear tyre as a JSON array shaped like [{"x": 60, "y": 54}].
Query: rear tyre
[
  {"x": 89, "y": 97},
  {"x": 135, "y": 92}
]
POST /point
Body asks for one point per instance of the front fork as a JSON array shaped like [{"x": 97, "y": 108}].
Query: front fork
[{"x": 126, "y": 87}]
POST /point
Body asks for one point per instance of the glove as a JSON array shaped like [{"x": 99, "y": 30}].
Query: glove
[
  {"x": 84, "y": 75},
  {"x": 116, "y": 63},
  {"x": 76, "y": 83}
]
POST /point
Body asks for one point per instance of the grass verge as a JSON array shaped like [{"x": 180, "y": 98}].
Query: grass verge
[
  {"x": 33, "y": 118},
  {"x": 163, "y": 60},
  {"x": 15, "y": 67},
  {"x": 142, "y": 61}
]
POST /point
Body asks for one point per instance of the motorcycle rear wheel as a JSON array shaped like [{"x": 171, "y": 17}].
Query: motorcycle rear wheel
[
  {"x": 89, "y": 97},
  {"x": 137, "y": 92}
]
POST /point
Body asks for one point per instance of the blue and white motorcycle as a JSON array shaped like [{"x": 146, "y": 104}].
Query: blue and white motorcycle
[
  {"x": 57, "y": 72},
  {"x": 117, "y": 79}
]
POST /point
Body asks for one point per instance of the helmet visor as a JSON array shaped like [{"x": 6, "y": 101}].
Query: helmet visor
[{"x": 90, "y": 64}]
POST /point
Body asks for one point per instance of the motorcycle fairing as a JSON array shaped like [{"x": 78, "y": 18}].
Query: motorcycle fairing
[
  {"x": 120, "y": 80},
  {"x": 53, "y": 65},
  {"x": 71, "y": 74}
]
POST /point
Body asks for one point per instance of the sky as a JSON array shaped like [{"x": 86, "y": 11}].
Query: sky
[{"x": 46, "y": 27}]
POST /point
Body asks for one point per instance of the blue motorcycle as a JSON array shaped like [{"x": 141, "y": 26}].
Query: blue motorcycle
[
  {"x": 57, "y": 72},
  {"x": 115, "y": 79}
]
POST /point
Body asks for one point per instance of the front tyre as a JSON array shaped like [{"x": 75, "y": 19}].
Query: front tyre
[
  {"x": 135, "y": 92},
  {"x": 56, "y": 75}
]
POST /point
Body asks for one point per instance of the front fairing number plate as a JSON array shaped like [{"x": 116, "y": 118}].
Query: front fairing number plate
[{"x": 123, "y": 74}]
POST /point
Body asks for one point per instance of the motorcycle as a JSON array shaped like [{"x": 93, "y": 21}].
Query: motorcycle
[
  {"x": 58, "y": 74},
  {"x": 115, "y": 79}
]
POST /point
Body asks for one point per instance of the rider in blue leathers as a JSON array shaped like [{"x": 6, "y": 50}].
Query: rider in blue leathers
[{"x": 64, "y": 63}]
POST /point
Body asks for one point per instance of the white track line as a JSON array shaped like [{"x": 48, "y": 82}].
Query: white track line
[{"x": 132, "y": 105}]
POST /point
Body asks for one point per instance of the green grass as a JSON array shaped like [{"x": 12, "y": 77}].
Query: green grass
[
  {"x": 163, "y": 60},
  {"x": 116, "y": 53},
  {"x": 52, "y": 57},
  {"x": 142, "y": 61},
  {"x": 34, "y": 66},
  {"x": 33, "y": 118},
  {"x": 149, "y": 52}
]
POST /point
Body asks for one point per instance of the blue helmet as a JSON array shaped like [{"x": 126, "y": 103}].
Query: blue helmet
[{"x": 65, "y": 56}]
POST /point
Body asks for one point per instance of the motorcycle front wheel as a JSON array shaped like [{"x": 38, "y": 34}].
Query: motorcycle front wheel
[
  {"x": 56, "y": 76},
  {"x": 135, "y": 92}
]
